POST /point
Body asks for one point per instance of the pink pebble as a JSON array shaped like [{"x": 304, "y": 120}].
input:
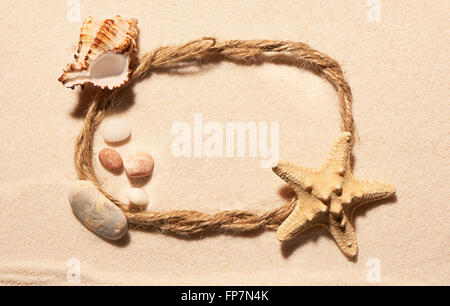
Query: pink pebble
[
  {"x": 110, "y": 159},
  {"x": 139, "y": 164}
]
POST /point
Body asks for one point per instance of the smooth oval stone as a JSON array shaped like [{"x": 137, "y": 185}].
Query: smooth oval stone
[
  {"x": 139, "y": 164},
  {"x": 96, "y": 212},
  {"x": 137, "y": 196},
  {"x": 116, "y": 130},
  {"x": 110, "y": 159}
]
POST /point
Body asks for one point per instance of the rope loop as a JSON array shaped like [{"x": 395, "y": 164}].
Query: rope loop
[{"x": 188, "y": 222}]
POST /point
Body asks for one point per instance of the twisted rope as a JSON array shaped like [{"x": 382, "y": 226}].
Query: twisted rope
[{"x": 187, "y": 222}]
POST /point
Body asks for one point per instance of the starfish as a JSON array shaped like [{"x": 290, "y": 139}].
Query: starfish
[{"x": 328, "y": 196}]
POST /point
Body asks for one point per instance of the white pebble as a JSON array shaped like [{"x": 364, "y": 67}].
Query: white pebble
[
  {"x": 137, "y": 196},
  {"x": 116, "y": 130}
]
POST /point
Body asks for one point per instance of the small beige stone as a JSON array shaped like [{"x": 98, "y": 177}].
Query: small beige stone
[
  {"x": 110, "y": 159},
  {"x": 116, "y": 130},
  {"x": 139, "y": 164},
  {"x": 137, "y": 196},
  {"x": 96, "y": 212}
]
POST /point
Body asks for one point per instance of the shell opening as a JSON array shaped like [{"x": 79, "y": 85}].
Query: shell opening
[{"x": 110, "y": 69}]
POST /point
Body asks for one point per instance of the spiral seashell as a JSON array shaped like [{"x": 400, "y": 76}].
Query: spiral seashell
[{"x": 103, "y": 54}]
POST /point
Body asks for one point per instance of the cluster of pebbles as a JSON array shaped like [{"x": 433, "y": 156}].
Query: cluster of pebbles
[
  {"x": 137, "y": 165},
  {"x": 91, "y": 207}
]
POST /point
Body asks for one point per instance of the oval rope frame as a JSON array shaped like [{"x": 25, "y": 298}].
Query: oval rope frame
[{"x": 186, "y": 222}]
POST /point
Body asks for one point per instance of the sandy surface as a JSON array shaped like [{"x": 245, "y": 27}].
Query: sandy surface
[{"x": 399, "y": 73}]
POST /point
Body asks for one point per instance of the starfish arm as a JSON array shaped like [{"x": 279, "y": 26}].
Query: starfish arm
[
  {"x": 370, "y": 191},
  {"x": 306, "y": 213},
  {"x": 344, "y": 235},
  {"x": 322, "y": 181},
  {"x": 339, "y": 156},
  {"x": 295, "y": 176},
  {"x": 374, "y": 191},
  {"x": 363, "y": 191},
  {"x": 329, "y": 178}
]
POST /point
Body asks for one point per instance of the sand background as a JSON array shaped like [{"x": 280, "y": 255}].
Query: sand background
[{"x": 399, "y": 73}]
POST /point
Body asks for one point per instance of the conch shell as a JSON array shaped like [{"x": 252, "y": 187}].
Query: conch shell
[{"x": 103, "y": 54}]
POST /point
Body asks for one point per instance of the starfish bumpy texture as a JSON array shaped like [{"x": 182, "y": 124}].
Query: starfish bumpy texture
[{"x": 328, "y": 196}]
